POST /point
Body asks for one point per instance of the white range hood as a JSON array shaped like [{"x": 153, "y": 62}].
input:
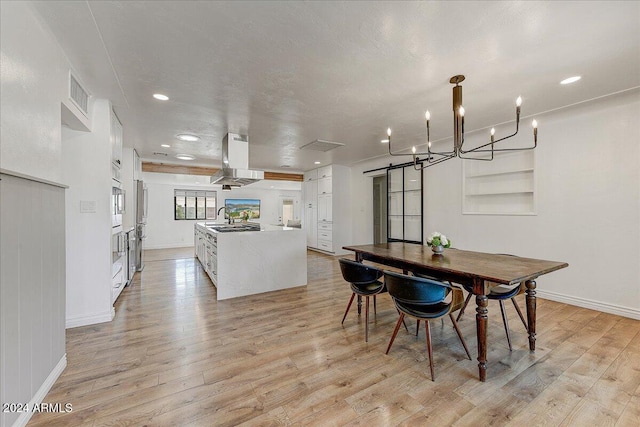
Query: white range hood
[{"x": 235, "y": 170}]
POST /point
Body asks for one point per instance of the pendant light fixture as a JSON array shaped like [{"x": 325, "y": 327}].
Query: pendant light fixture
[{"x": 458, "y": 150}]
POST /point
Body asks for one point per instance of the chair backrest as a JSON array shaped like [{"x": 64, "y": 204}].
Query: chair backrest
[
  {"x": 294, "y": 223},
  {"x": 358, "y": 273},
  {"x": 500, "y": 289},
  {"x": 415, "y": 290}
]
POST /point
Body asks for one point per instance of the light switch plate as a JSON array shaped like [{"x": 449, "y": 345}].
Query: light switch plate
[{"x": 87, "y": 206}]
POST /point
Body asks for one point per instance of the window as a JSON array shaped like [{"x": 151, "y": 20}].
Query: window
[{"x": 191, "y": 204}]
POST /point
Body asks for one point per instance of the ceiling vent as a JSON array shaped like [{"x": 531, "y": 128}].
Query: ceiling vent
[
  {"x": 321, "y": 145},
  {"x": 78, "y": 95}
]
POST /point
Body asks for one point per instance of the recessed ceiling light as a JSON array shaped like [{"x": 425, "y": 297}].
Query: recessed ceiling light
[
  {"x": 187, "y": 137},
  {"x": 185, "y": 157},
  {"x": 161, "y": 97},
  {"x": 316, "y": 163},
  {"x": 384, "y": 141},
  {"x": 570, "y": 80},
  {"x": 165, "y": 146}
]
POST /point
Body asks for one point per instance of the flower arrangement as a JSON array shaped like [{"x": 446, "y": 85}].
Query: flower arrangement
[{"x": 438, "y": 239}]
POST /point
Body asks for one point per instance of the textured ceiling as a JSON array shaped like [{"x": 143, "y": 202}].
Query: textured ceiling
[{"x": 287, "y": 73}]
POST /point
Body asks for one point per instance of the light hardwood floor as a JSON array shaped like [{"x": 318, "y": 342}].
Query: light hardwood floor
[{"x": 174, "y": 356}]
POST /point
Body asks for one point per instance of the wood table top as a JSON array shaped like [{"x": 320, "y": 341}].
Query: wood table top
[{"x": 497, "y": 268}]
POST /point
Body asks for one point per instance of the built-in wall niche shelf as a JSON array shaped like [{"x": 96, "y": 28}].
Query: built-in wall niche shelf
[
  {"x": 496, "y": 193},
  {"x": 504, "y": 186},
  {"x": 507, "y": 172}
]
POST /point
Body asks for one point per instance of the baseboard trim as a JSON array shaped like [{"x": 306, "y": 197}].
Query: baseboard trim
[
  {"x": 24, "y": 417},
  {"x": 169, "y": 246},
  {"x": 591, "y": 304},
  {"x": 91, "y": 319}
]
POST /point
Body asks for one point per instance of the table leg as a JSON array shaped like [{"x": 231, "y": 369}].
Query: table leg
[
  {"x": 531, "y": 313},
  {"x": 481, "y": 325}
]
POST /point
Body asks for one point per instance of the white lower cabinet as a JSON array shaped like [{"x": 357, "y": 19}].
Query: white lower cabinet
[
  {"x": 325, "y": 245},
  {"x": 117, "y": 285},
  {"x": 325, "y": 236},
  {"x": 206, "y": 251}
]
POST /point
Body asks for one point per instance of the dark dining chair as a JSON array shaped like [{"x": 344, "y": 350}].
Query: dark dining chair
[
  {"x": 501, "y": 293},
  {"x": 364, "y": 282},
  {"x": 423, "y": 299}
]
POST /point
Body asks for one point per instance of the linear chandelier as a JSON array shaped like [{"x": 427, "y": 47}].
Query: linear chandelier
[{"x": 435, "y": 157}]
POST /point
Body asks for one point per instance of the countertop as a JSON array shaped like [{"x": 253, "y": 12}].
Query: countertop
[{"x": 263, "y": 227}]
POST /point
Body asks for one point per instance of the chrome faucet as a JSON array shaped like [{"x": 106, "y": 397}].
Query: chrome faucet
[{"x": 226, "y": 212}]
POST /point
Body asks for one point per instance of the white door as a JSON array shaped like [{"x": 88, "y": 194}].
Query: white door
[{"x": 288, "y": 209}]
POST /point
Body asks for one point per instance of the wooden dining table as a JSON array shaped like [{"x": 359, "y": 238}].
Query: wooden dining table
[{"x": 480, "y": 271}]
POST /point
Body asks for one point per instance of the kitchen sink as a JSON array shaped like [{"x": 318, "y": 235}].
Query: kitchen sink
[{"x": 226, "y": 228}]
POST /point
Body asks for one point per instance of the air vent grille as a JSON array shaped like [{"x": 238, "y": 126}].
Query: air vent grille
[
  {"x": 78, "y": 95},
  {"x": 321, "y": 145}
]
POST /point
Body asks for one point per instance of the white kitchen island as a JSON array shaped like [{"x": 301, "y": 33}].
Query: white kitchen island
[{"x": 251, "y": 262}]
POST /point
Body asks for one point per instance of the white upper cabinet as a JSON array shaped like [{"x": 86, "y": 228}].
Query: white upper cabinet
[
  {"x": 324, "y": 185},
  {"x": 310, "y": 189},
  {"x": 311, "y": 175},
  {"x": 324, "y": 172},
  {"x": 116, "y": 140}
]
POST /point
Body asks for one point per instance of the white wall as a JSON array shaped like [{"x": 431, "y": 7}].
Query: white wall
[
  {"x": 163, "y": 231},
  {"x": 34, "y": 83},
  {"x": 87, "y": 169},
  {"x": 588, "y": 205}
]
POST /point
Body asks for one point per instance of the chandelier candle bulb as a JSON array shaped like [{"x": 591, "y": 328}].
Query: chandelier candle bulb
[
  {"x": 534, "y": 123},
  {"x": 493, "y": 132},
  {"x": 461, "y": 127}
]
